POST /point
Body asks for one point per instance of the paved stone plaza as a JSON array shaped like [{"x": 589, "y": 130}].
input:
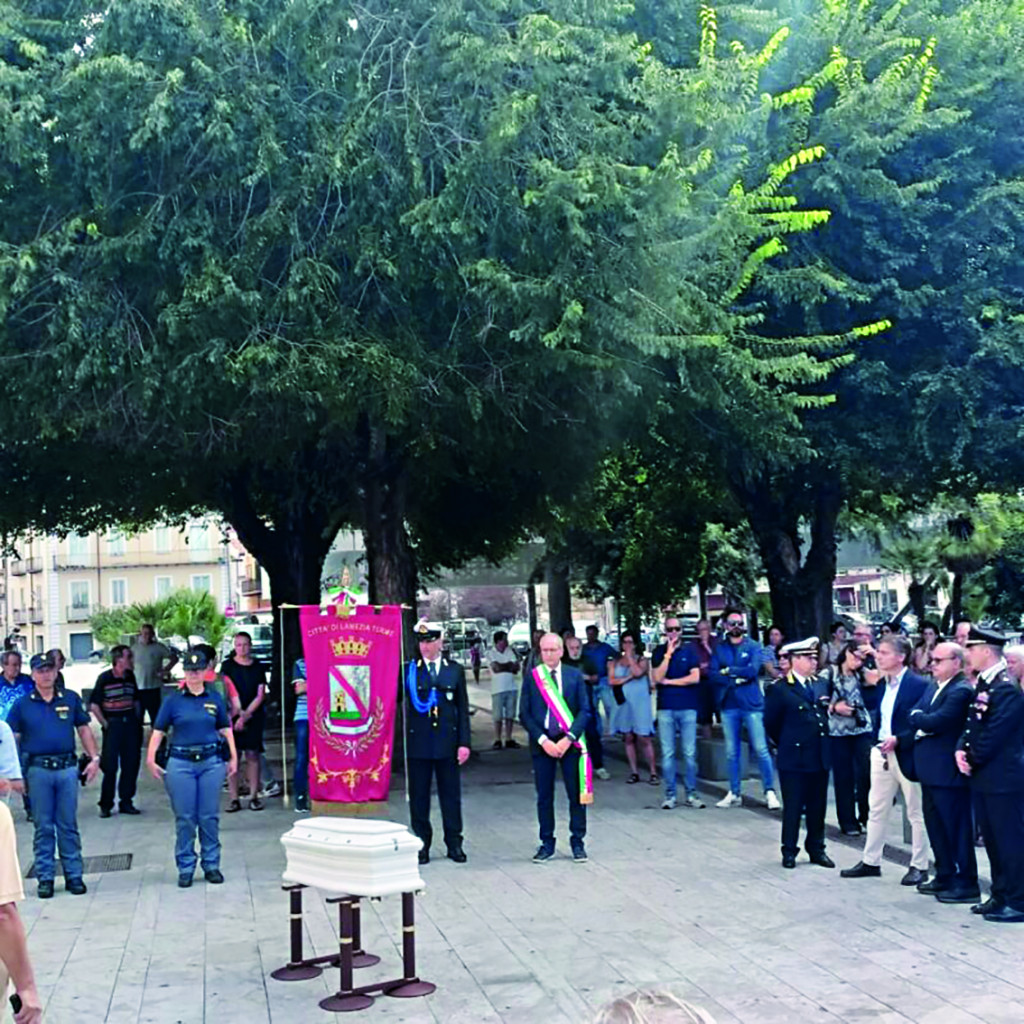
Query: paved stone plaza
[{"x": 694, "y": 901}]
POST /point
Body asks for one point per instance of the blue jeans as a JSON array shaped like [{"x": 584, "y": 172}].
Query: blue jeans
[
  {"x": 300, "y": 782},
  {"x": 55, "y": 814},
  {"x": 672, "y": 724},
  {"x": 603, "y": 698},
  {"x": 194, "y": 788},
  {"x": 733, "y": 719}
]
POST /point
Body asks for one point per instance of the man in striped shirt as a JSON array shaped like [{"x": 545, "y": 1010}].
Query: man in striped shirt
[{"x": 115, "y": 704}]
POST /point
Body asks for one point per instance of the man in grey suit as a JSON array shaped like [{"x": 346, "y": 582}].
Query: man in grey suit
[{"x": 552, "y": 746}]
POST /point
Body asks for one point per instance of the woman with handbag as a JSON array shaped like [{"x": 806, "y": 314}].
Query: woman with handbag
[
  {"x": 201, "y": 741},
  {"x": 633, "y": 718},
  {"x": 849, "y": 726}
]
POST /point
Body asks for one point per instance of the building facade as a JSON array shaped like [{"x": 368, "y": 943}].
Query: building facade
[{"x": 55, "y": 585}]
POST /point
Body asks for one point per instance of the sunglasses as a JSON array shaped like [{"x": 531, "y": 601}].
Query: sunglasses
[{"x": 673, "y": 629}]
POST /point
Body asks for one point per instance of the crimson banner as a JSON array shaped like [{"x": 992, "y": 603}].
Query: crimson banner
[{"x": 353, "y": 660}]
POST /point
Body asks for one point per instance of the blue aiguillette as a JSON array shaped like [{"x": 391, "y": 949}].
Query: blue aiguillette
[{"x": 422, "y": 706}]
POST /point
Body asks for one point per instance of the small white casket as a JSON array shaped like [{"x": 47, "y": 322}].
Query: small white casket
[{"x": 352, "y": 856}]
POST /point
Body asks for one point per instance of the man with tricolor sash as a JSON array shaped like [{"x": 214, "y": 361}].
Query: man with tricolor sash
[{"x": 553, "y": 709}]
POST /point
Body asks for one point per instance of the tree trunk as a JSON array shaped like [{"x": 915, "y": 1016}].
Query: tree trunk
[
  {"x": 956, "y": 599},
  {"x": 556, "y": 574},
  {"x": 801, "y": 592},
  {"x": 531, "y": 607},
  {"x": 916, "y": 591}
]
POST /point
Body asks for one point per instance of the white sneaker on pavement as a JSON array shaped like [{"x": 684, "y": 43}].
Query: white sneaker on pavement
[
  {"x": 730, "y": 800},
  {"x": 695, "y": 801},
  {"x": 603, "y": 773},
  {"x": 772, "y": 800},
  {"x": 668, "y": 803}
]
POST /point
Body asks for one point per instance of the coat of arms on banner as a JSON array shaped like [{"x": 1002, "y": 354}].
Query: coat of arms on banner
[{"x": 349, "y": 713}]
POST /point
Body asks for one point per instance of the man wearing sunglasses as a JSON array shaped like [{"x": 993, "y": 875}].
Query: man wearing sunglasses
[
  {"x": 676, "y": 673},
  {"x": 735, "y": 667}
]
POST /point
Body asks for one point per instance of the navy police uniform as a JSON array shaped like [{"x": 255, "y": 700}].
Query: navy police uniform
[
  {"x": 945, "y": 794},
  {"x": 46, "y": 735},
  {"x": 796, "y": 720},
  {"x": 434, "y": 731},
  {"x": 195, "y": 771},
  {"x": 993, "y": 740}
]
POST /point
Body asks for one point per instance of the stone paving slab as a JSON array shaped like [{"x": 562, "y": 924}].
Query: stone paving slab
[{"x": 694, "y": 901}]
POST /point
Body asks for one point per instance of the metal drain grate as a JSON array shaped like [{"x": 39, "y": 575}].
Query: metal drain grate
[{"x": 98, "y": 865}]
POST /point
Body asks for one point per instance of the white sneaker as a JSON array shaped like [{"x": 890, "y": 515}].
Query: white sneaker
[
  {"x": 730, "y": 800},
  {"x": 668, "y": 803},
  {"x": 603, "y": 773},
  {"x": 695, "y": 801},
  {"x": 772, "y": 800}
]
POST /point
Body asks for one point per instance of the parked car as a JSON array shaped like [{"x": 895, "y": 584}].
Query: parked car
[{"x": 519, "y": 638}]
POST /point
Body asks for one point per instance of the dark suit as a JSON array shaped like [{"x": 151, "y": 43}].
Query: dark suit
[
  {"x": 534, "y": 716},
  {"x": 993, "y": 740},
  {"x": 796, "y": 720},
  {"x": 432, "y": 742},
  {"x": 911, "y": 691},
  {"x": 946, "y": 798}
]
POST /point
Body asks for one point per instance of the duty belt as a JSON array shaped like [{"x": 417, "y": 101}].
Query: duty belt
[
  {"x": 54, "y": 762},
  {"x": 195, "y": 753}
]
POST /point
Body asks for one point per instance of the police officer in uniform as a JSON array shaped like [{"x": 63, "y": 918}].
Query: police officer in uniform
[
  {"x": 436, "y": 740},
  {"x": 991, "y": 754},
  {"x": 199, "y": 727},
  {"x": 796, "y": 719},
  {"x": 45, "y": 722}
]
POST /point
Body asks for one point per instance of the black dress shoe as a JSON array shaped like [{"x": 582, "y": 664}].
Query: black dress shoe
[
  {"x": 75, "y": 886},
  {"x": 184, "y": 881},
  {"x": 129, "y": 809},
  {"x": 862, "y": 870},
  {"x": 958, "y": 896},
  {"x": 986, "y": 907},
  {"x": 544, "y": 852},
  {"x": 579, "y": 852},
  {"x": 457, "y": 854},
  {"x": 424, "y": 856},
  {"x": 789, "y": 860},
  {"x": 45, "y": 889},
  {"x": 214, "y": 877},
  {"x": 105, "y": 812},
  {"x": 1006, "y": 915},
  {"x": 914, "y": 876},
  {"x": 934, "y": 887},
  {"x": 858, "y": 831},
  {"x": 823, "y": 860}
]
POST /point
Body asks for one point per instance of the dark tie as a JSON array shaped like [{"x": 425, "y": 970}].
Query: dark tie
[
  {"x": 809, "y": 690},
  {"x": 433, "y": 671}
]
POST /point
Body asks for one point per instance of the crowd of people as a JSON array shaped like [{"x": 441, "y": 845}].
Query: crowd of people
[{"x": 940, "y": 721}]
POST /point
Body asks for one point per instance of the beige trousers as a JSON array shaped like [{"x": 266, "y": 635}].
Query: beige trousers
[{"x": 886, "y": 781}]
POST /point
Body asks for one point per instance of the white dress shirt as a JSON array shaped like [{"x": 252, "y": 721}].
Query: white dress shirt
[
  {"x": 892, "y": 689},
  {"x": 556, "y": 675}
]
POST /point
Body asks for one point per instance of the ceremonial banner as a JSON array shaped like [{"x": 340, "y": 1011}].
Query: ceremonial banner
[{"x": 353, "y": 657}]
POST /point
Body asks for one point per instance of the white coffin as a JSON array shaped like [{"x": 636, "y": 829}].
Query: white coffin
[{"x": 352, "y": 856}]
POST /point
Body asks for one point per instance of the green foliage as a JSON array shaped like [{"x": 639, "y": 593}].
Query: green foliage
[{"x": 181, "y": 613}]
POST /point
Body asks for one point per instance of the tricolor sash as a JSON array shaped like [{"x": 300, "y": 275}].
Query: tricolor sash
[{"x": 563, "y": 716}]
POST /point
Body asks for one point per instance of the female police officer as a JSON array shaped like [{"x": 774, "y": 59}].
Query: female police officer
[{"x": 197, "y": 719}]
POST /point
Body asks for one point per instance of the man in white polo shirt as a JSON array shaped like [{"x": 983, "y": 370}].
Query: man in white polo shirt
[{"x": 504, "y": 665}]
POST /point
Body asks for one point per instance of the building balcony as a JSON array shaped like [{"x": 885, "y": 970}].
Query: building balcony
[
  {"x": 35, "y": 564},
  {"x": 80, "y": 612},
  {"x": 19, "y": 566},
  {"x": 149, "y": 558},
  {"x": 19, "y": 616},
  {"x": 252, "y": 586},
  {"x": 84, "y": 560},
  {"x": 35, "y": 614}
]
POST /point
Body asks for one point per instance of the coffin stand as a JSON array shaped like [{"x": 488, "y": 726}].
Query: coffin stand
[{"x": 358, "y": 858}]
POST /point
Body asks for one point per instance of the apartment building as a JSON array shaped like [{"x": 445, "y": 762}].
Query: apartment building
[{"x": 50, "y": 591}]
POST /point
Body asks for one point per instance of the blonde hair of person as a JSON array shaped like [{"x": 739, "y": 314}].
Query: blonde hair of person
[{"x": 648, "y": 1006}]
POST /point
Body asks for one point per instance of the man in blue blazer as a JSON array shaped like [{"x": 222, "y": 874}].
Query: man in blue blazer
[
  {"x": 890, "y": 702},
  {"x": 939, "y": 719},
  {"x": 552, "y": 746}
]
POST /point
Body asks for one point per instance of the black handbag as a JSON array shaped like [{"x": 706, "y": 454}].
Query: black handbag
[{"x": 163, "y": 753}]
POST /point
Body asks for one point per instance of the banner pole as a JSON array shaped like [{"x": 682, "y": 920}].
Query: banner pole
[
  {"x": 285, "y": 800},
  {"x": 405, "y": 735}
]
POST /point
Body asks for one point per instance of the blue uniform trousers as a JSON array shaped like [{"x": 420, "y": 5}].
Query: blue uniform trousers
[
  {"x": 55, "y": 814},
  {"x": 194, "y": 788},
  {"x": 301, "y": 780}
]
